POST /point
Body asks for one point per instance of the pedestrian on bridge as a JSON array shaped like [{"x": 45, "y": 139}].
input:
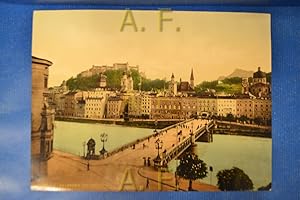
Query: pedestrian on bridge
[{"x": 147, "y": 183}]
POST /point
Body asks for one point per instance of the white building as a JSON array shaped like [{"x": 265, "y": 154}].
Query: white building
[{"x": 95, "y": 103}]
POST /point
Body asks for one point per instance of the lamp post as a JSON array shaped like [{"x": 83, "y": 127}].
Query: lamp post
[
  {"x": 83, "y": 144},
  {"x": 103, "y": 138},
  {"x": 158, "y": 146},
  {"x": 211, "y": 171},
  {"x": 155, "y": 123}
]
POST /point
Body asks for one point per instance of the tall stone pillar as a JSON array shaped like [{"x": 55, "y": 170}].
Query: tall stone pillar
[{"x": 39, "y": 95}]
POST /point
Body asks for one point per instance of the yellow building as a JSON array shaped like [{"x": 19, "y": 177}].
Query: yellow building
[
  {"x": 225, "y": 106},
  {"x": 139, "y": 106}
]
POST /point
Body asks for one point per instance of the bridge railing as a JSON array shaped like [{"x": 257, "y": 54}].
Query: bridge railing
[
  {"x": 186, "y": 142},
  {"x": 130, "y": 144},
  {"x": 203, "y": 129},
  {"x": 174, "y": 151}
]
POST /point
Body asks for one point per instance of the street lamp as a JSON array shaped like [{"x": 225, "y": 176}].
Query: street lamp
[
  {"x": 158, "y": 146},
  {"x": 83, "y": 144},
  {"x": 103, "y": 138}
]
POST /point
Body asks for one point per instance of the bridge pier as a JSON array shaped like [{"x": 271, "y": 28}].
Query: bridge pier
[{"x": 206, "y": 137}]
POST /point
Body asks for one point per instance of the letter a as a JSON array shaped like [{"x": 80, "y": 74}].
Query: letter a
[
  {"x": 130, "y": 23},
  {"x": 130, "y": 182}
]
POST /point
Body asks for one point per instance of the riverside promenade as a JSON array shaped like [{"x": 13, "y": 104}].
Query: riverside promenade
[{"x": 124, "y": 170}]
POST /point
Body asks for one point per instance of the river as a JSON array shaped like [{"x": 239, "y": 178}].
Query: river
[{"x": 251, "y": 154}]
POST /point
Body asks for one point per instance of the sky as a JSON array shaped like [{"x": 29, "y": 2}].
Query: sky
[{"x": 212, "y": 43}]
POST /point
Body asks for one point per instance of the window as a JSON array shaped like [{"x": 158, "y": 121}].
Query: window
[{"x": 46, "y": 82}]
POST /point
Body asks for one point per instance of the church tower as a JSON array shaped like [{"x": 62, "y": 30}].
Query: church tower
[
  {"x": 192, "y": 80},
  {"x": 124, "y": 82},
  {"x": 173, "y": 86},
  {"x": 130, "y": 83}
]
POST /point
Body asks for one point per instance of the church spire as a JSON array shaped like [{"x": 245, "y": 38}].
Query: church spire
[
  {"x": 192, "y": 79},
  {"x": 192, "y": 75}
]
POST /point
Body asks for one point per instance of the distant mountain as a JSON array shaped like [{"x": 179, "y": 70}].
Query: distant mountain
[{"x": 238, "y": 73}]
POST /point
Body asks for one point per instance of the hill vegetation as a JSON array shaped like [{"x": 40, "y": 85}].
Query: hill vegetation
[
  {"x": 114, "y": 81},
  {"x": 227, "y": 85}
]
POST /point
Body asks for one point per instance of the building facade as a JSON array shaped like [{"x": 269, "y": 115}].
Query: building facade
[
  {"x": 225, "y": 106},
  {"x": 114, "y": 107},
  {"x": 139, "y": 106},
  {"x": 262, "y": 109},
  {"x": 42, "y": 119},
  {"x": 245, "y": 107}
]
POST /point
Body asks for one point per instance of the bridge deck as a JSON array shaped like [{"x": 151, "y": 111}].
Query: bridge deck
[{"x": 147, "y": 148}]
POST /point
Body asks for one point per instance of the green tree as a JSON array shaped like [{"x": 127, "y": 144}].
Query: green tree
[
  {"x": 191, "y": 168},
  {"x": 113, "y": 79},
  {"x": 234, "y": 179},
  {"x": 230, "y": 117},
  {"x": 243, "y": 118},
  {"x": 233, "y": 80}
]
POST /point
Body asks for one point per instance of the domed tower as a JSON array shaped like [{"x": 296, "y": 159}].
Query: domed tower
[
  {"x": 259, "y": 77},
  {"x": 259, "y": 86},
  {"x": 192, "y": 79}
]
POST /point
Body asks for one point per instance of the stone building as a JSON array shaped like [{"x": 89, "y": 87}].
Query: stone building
[
  {"x": 207, "y": 104},
  {"x": 262, "y": 109},
  {"x": 225, "y": 106},
  {"x": 245, "y": 107},
  {"x": 42, "y": 119},
  {"x": 80, "y": 108},
  {"x": 115, "y": 107},
  {"x": 70, "y": 101},
  {"x": 166, "y": 108}
]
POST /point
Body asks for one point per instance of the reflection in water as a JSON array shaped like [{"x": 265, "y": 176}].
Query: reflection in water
[{"x": 251, "y": 154}]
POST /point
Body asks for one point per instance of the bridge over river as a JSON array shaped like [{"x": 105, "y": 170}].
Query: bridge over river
[
  {"x": 141, "y": 159},
  {"x": 163, "y": 145}
]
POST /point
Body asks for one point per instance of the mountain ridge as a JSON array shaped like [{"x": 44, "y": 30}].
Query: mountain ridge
[{"x": 238, "y": 73}]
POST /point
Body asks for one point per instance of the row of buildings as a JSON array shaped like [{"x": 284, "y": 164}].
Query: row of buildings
[
  {"x": 100, "y": 104},
  {"x": 178, "y": 102}
]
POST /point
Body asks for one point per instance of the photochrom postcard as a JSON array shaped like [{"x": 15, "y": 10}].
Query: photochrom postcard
[{"x": 156, "y": 100}]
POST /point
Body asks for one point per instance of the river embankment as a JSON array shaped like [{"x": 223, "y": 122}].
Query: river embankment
[{"x": 233, "y": 128}]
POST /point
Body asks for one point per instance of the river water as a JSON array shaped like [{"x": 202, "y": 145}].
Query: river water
[{"x": 251, "y": 154}]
